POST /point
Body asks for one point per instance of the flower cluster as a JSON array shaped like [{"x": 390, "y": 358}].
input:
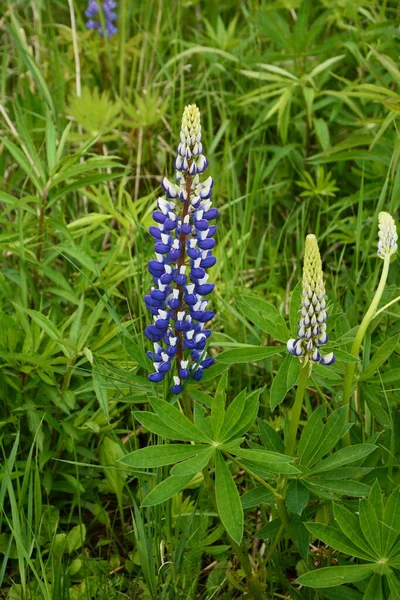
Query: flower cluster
[
  {"x": 387, "y": 244},
  {"x": 312, "y": 324},
  {"x": 93, "y": 14},
  {"x": 183, "y": 246}
]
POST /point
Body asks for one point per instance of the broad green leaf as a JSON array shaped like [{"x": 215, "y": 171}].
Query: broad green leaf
[
  {"x": 391, "y": 521},
  {"x": 341, "y": 593},
  {"x": 218, "y": 407},
  {"x": 233, "y": 415},
  {"x": 333, "y": 576},
  {"x": 344, "y": 456},
  {"x": 269, "y": 460},
  {"x": 297, "y": 497},
  {"x": 294, "y": 308},
  {"x": 265, "y": 316},
  {"x": 159, "y": 456},
  {"x": 228, "y": 500},
  {"x": 374, "y": 588},
  {"x": 339, "y": 486},
  {"x": 372, "y": 395},
  {"x": 247, "y": 354},
  {"x": 336, "y": 539},
  {"x": 381, "y": 355},
  {"x": 394, "y": 584},
  {"x": 301, "y": 535},
  {"x": 248, "y": 416},
  {"x": 350, "y": 526},
  {"x": 284, "y": 380},
  {"x": 110, "y": 452},
  {"x": 256, "y": 496},
  {"x": 76, "y": 538},
  {"x": 195, "y": 464},
  {"x": 325, "y": 65},
  {"x": 331, "y": 433},
  {"x": 156, "y": 425},
  {"x": 101, "y": 392},
  {"x": 270, "y": 438},
  {"x": 213, "y": 372},
  {"x": 174, "y": 419},
  {"x": 311, "y": 435},
  {"x": 166, "y": 489},
  {"x": 376, "y": 499},
  {"x": 370, "y": 525}
]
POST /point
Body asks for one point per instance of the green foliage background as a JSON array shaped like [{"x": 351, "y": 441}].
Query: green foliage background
[{"x": 300, "y": 104}]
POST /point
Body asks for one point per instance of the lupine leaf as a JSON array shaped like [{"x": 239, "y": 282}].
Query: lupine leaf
[
  {"x": 284, "y": 380},
  {"x": 344, "y": 456},
  {"x": 350, "y": 526},
  {"x": 166, "y": 489},
  {"x": 270, "y": 438},
  {"x": 247, "y": 354},
  {"x": 268, "y": 460},
  {"x": 333, "y": 576},
  {"x": 228, "y": 500},
  {"x": 341, "y": 593},
  {"x": 332, "y": 432},
  {"x": 248, "y": 416},
  {"x": 297, "y": 497},
  {"x": 381, "y": 355},
  {"x": 374, "y": 588},
  {"x": 394, "y": 584},
  {"x": 256, "y": 496},
  {"x": 265, "y": 316},
  {"x": 336, "y": 539},
  {"x": 218, "y": 407},
  {"x": 370, "y": 525},
  {"x": 195, "y": 464},
  {"x": 174, "y": 419},
  {"x": 233, "y": 415},
  {"x": 339, "y": 486},
  {"x": 311, "y": 435},
  {"x": 159, "y": 456},
  {"x": 156, "y": 425},
  {"x": 391, "y": 521}
]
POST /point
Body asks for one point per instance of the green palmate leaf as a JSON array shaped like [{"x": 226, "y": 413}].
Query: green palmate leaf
[
  {"x": 341, "y": 593},
  {"x": 156, "y": 425},
  {"x": 394, "y": 584},
  {"x": 166, "y": 489},
  {"x": 344, "y": 456},
  {"x": 159, "y": 456},
  {"x": 370, "y": 525},
  {"x": 259, "y": 495},
  {"x": 339, "y": 486},
  {"x": 233, "y": 415},
  {"x": 284, "y": 380},
  {"x": 174, "y": 419},
  {"x": 297, "y": 497},
  {"x": 270, "y": 438},
  {"x": 332, "y": 431},
  {"x": 374, "y": 588},
  {"x": 272, "y": 461},
  {"x": 195, "y": 464},
  {"x": 391, "y": 521},
  {"x": 372, "y": 396},
  {"x": 376, "y": 499},
  {"x": 350, "y": 526},
  {"x": 311, "y": 435},
  {"x": 336, "y": 539},
  {"x": 380, "y": 356},
  {"x": 333, "y": 576},
  {"x": 228, "y": 501},
  {"x": 248, "y": 354},
  {"x": 218, "y": 407},
  {"x": 265, "y": 316},
  {"x": 248, "y": 416}
]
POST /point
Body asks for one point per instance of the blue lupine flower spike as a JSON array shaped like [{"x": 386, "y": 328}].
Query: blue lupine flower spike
[
  {"x": 183, "y": 245},
  {"x": 93, "y": 14},
  {"x": 311, "y": 333}
]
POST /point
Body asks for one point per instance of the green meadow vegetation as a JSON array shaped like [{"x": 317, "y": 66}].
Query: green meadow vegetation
[{"x": 266, "y": 479}]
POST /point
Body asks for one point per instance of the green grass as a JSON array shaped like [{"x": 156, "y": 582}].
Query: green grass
[{"x": 299, "y": 104}]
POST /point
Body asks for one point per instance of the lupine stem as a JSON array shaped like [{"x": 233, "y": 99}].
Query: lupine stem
[
  {"x": 251, "y": 577},
  {"x": 355, "y": 349},
  {"x": 296, "y": 410}
]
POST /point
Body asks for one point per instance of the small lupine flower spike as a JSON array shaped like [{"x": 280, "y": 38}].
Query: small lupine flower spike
[
  {"x": 312, "y": 324},
  {"x": 183, "y": 246},
  {"x": 387, "y": 244},
  {"x": 93, "y": 14}
]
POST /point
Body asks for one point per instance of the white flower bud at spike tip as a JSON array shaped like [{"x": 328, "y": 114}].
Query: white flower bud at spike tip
[{"x": 387, "y": 244}]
